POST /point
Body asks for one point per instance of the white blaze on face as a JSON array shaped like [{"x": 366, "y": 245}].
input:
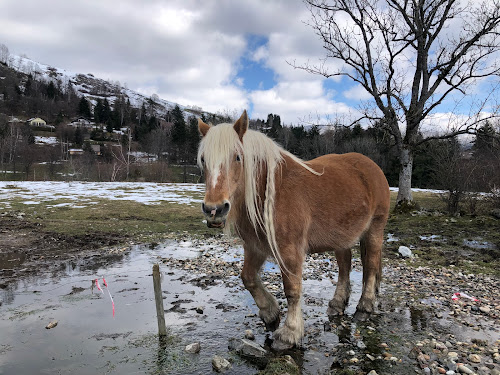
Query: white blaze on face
[{"x": 215, "y": 176}]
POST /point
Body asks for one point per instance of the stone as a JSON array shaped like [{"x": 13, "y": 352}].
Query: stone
[
  {"x": 464, "y": 370},
  {"x": 249, "y": 350},
  {"x": 361, "y": 345},
  {"x": 485, "y": 309},
  {"x": 193, "y": 348},
  {"x": 475, "y": 358},
  {"x": 52, "y": 324},
  {"x": 453, "y": 356},
  {"x": 220, "y": 364},
  {"x": 372, "y": 372},
  {"x": 495, "y": 213},
  {"x": 405, "y": 252},
  {"x": 249, "y": 334}
]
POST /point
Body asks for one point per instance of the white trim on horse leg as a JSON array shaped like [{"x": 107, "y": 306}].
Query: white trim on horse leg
[
  {"x": 337, "y": 304},
  {"x": 292, "y": 330},
  {"x": 269, "y": 310}
]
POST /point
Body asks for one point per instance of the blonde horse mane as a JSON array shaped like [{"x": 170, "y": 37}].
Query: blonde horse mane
[{"x": 257, "y": 152}]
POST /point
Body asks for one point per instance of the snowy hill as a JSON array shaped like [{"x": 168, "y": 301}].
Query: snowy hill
[{"x": 92, "y": 87}]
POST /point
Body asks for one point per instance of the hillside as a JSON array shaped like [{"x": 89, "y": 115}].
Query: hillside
[{"x": 14, "y": 73}]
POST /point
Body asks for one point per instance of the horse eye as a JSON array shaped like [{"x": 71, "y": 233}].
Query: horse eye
[
  {"x": 202, "y": 160},
  {"x": 238, "y": 158}
]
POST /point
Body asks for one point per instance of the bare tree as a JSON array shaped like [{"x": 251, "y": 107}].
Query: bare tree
[
  {"x": 410, "y": 56},
  {"x": 4, "y": 53}
]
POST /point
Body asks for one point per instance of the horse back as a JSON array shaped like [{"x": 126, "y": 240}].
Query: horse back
[{"x": 335, "y": 208}]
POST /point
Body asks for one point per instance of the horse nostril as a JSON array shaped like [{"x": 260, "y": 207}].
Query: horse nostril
[
  {"x": 206, "y": 209},
  {"x": 226, "y": 208}
]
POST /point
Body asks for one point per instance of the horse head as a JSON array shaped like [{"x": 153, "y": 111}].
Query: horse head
[{"x": 221, "y": 158}]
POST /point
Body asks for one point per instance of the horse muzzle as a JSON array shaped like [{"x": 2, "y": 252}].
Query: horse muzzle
[{"x": 216, "y": 214}]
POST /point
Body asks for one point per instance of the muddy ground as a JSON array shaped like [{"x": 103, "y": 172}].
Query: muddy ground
[{"x": 418, "y": 328}]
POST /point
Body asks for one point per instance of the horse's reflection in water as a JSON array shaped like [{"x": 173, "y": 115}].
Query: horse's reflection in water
[{"x": 284, "y": 207}]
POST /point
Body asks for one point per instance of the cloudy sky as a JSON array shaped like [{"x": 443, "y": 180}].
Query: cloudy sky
[{"x": 221, "y": 55}]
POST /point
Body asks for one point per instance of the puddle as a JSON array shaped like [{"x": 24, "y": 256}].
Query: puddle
[
  {"x": 478, "y": 244},
  {"x": 199, "y": 308},
  {"x": 432, "y": 238}
]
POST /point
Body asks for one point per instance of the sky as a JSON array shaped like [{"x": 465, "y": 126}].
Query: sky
[{"x": 221, "y": 55}]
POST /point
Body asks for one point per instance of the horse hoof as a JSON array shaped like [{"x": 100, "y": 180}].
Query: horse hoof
[
  {"x": 272, "y": 326},
  {"x": 280, "y": 346},
  {"x": 334, "y": 312},
  {"x": 361, "y": 316}
]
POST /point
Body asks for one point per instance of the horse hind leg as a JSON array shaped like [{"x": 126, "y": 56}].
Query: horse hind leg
[
  {"x": 338, "y": 303},
  {"x": 269, "y": 310},
  {"x": 371, "y": 259}
]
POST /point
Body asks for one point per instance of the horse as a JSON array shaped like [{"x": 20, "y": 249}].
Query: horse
[{"x": 284, "y": 208}]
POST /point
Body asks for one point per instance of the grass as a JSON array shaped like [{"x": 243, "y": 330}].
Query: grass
[
  {"x": 129, "y": 220},
  {"x": 448, "y": 249}
]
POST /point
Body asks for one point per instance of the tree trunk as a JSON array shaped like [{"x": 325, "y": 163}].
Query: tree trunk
[{"x": 406, "y": 165}]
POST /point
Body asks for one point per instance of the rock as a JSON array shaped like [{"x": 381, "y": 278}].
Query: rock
[
  {"x": 193, "y": 348},
  {"x": 249, "y": 334},
  {"x": 52, "y": 324},
  {"x": 220, "y": 364},
  {"x": 450, "y": 372},
  {"x": 361, "y": 345},
  {"x": 370, "y": 357},
  {"x": 249, "y": 350},
  {"x": 440, "y": 346},
  {"x": 475, "y": 358},
  {"x": 453, "y": 356},
  {"x": 464, "y": 370},
  {"x": 495, "y": 213},
  {"x": 441, "y": 370},
  {"x": 199, "y": 310},
  {"x": 372, "y": 372},
  {"x": 485, "y": 309},
  {"x": 405, "y": 252}
]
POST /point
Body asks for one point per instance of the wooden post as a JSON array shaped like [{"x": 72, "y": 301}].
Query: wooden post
[{"x": 160, "y": 312}]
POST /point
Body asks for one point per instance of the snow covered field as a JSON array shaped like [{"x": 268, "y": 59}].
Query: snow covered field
[{"x": 86, "y": 193}]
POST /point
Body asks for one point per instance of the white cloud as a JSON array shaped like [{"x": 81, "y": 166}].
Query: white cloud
[
  {"x": 357, "y": 92},
  {"x": 297, "y": 102}
]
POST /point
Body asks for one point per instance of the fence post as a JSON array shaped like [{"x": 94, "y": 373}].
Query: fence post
[{"x": 160, "y": 311}]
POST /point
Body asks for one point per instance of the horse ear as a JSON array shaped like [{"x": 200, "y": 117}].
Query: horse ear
[
  {"x": 203, "y": 128},
  {"x": 241, "y": 125}
]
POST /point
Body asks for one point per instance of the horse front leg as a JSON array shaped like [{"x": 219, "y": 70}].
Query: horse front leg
[
  {"x": 269, "y": 310},
  {"x": 292, "y": 331},
  {"x": 337, "y": 304}
]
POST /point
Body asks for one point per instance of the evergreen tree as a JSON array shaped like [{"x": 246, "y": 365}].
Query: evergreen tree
[
  {"x": 485, "y": 143},
  {"x": 51, "y": 90},
  {"x": 98, "y": 111},
  {"x": 84, "y": 108},
  {"x": 28, "y": 86},
  {"x": 193, "y": 138},
  {"x": 179, "y": 133}
]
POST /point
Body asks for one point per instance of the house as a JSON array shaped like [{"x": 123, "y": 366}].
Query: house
[
  {"x": 37, "y": 121},
  {"x": 75, "y": 151},
  {"x": 82, "y": 123}
]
